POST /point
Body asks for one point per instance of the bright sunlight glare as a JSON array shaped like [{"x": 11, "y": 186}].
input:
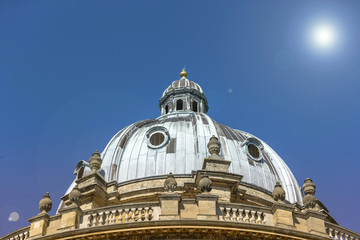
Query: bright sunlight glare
[{"x": 324, "y": 36}]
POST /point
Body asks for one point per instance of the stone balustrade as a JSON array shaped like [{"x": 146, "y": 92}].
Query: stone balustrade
[
  {"x": 121, "y": 214},
  {"x": 20, "y": 234},
  {"x": 340, "y": 233},
  {"x": 245, "y": 214}
]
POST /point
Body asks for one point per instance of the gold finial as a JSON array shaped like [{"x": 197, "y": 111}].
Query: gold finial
[{"x": 183, "y": 73}]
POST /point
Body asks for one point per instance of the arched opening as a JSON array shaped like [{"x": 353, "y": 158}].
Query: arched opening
[
  {"x": 179, "y": 104},
  {"x": 194, "y": 106},
  {"x": 80, "y": 173},
  {"x": 166, "y": 109}
]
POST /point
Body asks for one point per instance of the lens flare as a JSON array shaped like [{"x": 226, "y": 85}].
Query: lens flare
[{"x": 324, "y": 35}]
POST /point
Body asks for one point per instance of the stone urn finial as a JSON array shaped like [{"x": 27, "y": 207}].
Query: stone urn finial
[
  {"x": 278, "y": 192},
  {"x": 45, "y": 204},
  {"x": 214, "y": 146},
  {"x": 75, "y": 196},
  {"x": 205, "y": 184},
  {"x": 95, "y": 161},
  {"x": 309, "y": 199},
  {"x": 170, "y": 183}
]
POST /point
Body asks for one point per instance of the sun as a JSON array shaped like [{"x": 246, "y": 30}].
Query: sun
[{"x": 324, "y": 36}]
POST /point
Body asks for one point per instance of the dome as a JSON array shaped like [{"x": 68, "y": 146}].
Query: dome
[
  {"x": 177, "y": 142},
  {"x": 183, "y": 95},
  {"x": 182, "y": 83}
]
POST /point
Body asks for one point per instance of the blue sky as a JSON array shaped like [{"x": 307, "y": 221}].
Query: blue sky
[{"x": 73, "y": 73}]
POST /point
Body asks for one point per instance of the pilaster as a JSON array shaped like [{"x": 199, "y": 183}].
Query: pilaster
[
  {"x": 70, "y": 217},
  {"x": 283, "y": 215},
  {"x": 38, "y": 225},
  {"x": 206, "y": 206},
  {"x": 169, "y": 204}
]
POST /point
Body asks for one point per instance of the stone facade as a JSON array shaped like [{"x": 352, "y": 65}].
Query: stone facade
[{"x": 209, "y": 203}]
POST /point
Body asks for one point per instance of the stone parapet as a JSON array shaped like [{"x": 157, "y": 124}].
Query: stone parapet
[
  {"x": 169, "y": 204},
  {"x": 39, "y": 225}
]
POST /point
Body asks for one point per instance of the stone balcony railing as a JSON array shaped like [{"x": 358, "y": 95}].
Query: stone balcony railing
[
  {"x": 340, "y": 233},
  {"x": 245, "y": 214},
  {"x": 234, "y": 213},
  {"x": 124, "y": 213},
  {"x": 21, "y": 234}
]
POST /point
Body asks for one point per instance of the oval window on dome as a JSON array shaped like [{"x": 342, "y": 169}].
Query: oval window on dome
[
  {"x": 253, "y": 151},
  {"x": 157, "y": 137}
]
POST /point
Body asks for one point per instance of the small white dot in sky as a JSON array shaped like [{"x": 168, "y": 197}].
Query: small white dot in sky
[
  {"x": 14, "y": 216},
  {"x": 230, "y": 90}
]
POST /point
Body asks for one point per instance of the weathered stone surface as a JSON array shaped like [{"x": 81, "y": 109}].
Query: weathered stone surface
[
  {"x": 45, "y": 203},
  {"x": 170, "y": 183},
  {"x": 278, "y": 193}
]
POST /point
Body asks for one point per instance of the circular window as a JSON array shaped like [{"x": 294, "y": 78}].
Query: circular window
[
  {"x": 157, "y": 139},
  {"x": 253, "y": 148},
  {"x": 253, "y": 151}
]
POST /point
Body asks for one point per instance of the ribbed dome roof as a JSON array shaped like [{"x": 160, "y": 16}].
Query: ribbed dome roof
[
  {"x": 177, "y": 143},
  {"x": 183, "y": 83}
]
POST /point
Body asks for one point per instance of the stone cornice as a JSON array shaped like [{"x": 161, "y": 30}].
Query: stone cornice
[{"x": 183, "y": 228}]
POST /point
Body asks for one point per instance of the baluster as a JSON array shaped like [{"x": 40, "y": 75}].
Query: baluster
[
  {"x": 239, "y": 218},
  {"x": 140, "y": 216},
  {"x": 133, "y": 214},
  {"x": 252, "y": 219},
  {"x": 233, "y": 217},
  {"x": 221, "y": 217},
  {"x": 97, "y": 219},
  {"x": 16, "y": 237},
  {"x": 11, "y": 238},
  {"x": 246, "y": 217},
  {"x": 126, "y": 215},
  {"x": 89, "y": 220},
  {"x": 331, "y": 233},
  {"x": 26, "y": 234},
  {"x": 101, "y": 218},
  {"x": 107, "y": 217},
  {"x": 146, "y": 214},
  {"x": 258, "y": 217},
  {"x": 21, "y": 236},
  {"x": 352, "y": 238},
  {"x": 112, "y": 217},
  {"x": 227, "y": 216},
  {"x": 346, "y": 236},
  {"x": 150, "y": 213},
  {"x": 336, "y": 232},
  {"x": 121, "y": 215},
  {"x": 341, "y": 235}
]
